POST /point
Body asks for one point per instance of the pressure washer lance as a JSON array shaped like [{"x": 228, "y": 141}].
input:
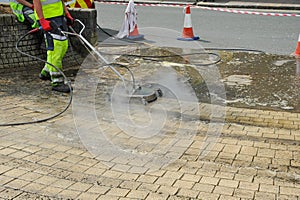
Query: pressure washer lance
[
  {"x": 54, "y": 26},
  {"x": 144, "y": 93}
]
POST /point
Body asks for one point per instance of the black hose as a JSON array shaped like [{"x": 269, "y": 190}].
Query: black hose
[
  {"x": 233, "y": 49},
  {"x": 208, "y": 48},
  {"x": 170, "y": 56},
  {"x": 65, "y": 78},
  {"x": 198, "y": 64},
  {"x": 129, "y": 55}
]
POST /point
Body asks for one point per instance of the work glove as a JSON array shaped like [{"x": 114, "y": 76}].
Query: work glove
[
  {"x": 45, "y": 24},
  {"x": 70, "y": 19}
]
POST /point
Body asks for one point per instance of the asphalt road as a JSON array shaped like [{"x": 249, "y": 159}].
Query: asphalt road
[{"x": 272, "y": 34}]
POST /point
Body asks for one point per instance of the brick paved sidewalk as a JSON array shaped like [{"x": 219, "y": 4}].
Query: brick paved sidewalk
[{"x": 248, "y": 161}]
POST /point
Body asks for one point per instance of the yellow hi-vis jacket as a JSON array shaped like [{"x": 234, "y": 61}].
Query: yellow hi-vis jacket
[
  {"x": 52, "y": 8},
  {"x": 17, "y": 10}
]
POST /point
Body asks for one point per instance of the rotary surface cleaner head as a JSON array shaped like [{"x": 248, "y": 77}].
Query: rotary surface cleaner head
[{"x": 146, "y": 94}]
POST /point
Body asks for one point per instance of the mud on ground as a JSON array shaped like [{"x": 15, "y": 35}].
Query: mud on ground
[{"x": 261, "y": 81}]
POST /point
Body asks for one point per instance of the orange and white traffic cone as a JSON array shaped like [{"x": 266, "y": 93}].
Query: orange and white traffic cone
[
  {"x": 129, "y": 28},
  {"x": 297, "y": 51},
  {"x": 135, "y": 35},
  {"x": 187, "y": 33}
]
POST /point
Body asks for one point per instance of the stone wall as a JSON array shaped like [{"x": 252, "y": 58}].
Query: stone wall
[
  {"x": 11, "y": 30},
  {"x": 89, "y": 19}
]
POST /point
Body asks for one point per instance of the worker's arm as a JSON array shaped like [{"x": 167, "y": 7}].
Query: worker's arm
[
  {"x": 38, "y": 8},
  {"x": 65, "y": 8},
  {"x": 25, "y": 3},
  {"x": 70, "y": 19},
  {"x": 39, "y": 11}
]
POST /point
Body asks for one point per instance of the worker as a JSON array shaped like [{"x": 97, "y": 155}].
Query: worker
[
  {"x": 24, "y": 11},
  {"x": 51, "y": 13}
]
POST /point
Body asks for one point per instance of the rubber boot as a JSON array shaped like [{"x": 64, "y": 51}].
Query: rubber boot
[{"x": 61, "y": 87}]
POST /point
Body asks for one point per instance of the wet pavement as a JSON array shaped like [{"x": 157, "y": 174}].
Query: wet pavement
[
  {"x": 261, "y": 81},
  {"x": 236, "y": 137}
]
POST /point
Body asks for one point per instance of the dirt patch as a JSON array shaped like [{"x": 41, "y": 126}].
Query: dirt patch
[
  {"x": 261, "y": 80},
  {"x": 5, "y": 9},
  {"x": 251, "y": 80}
]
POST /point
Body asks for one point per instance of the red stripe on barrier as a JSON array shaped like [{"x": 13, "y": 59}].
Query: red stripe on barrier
[
  {"x": 208, "y": 8},
  {"x": 250, "y": 13},
  {"x": 88, "y": 3},
  {"x": 77, "y": 5}
]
